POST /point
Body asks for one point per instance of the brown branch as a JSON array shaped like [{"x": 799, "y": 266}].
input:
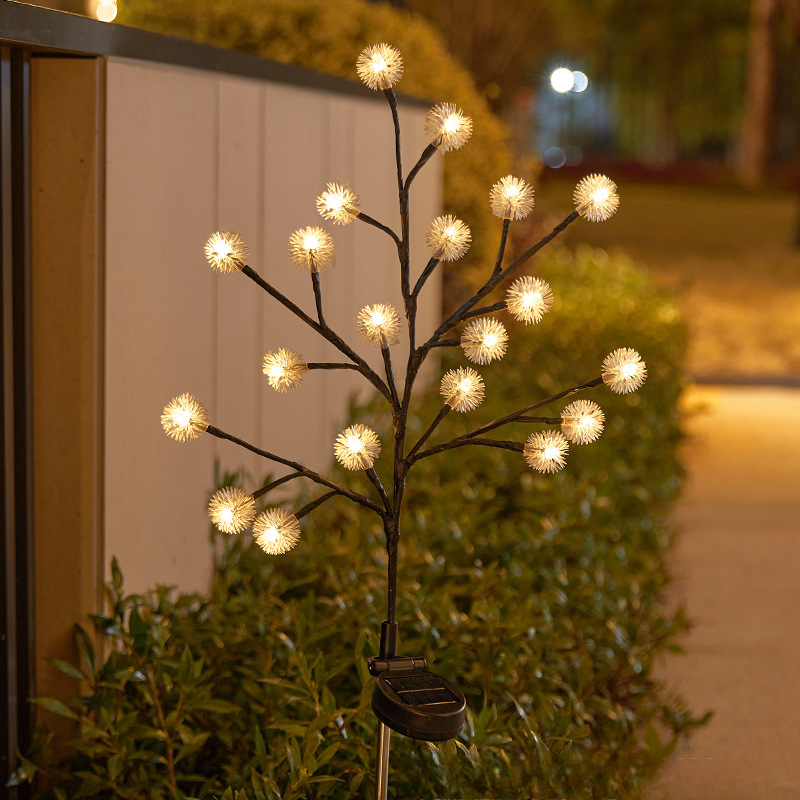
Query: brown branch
[
  {"x": 299, "y": 468},
  {"x": 322, "y": 329}
]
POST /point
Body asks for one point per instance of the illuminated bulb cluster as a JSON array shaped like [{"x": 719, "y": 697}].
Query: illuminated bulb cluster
[
  {"x": 284, "y": 369},
  {"x": 582, "y": 421},
  {"x": 226, "y": 251},
  {"x": 448, "y": 127},
  {"x": 546, "y": 451},
  {"x": 312, "y": 249},
  {"x": 484, "y": 340},
  {"x": 380, "y": 66},
  {"x": 184, "y": 418},
  {"x": 529, "y": 299},
  {"x": 338, "y": 203},
  {"x": 275, "y": 531},
  {"x": 511, "y": 198},
  {"x": 596, "y": 198},
  {"x": 624, "y": 371},
  {"x": 379, "y": 325},
  {"x": 448, "y": 238},
  {"x": 357, "y": 447},
  {"x": 462, "y": 389},
  {"x": 231, "y": 510}
]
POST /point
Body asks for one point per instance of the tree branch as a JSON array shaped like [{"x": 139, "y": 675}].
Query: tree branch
[
  {"x": 443, "y": 412},
  {"x": 322, "y": 329},
  {"x": 370, "y": 221},
  {"x": 304, "y": 471},
  {"x": 515, "y": 415},
  {"x": 376, "y": 482},
  {"x": 318, "y": 297},
  {"x": 497, "y": 278},
  {"x": 461, "y": 442},
  {"x": 309, "y": 507},
  {"x": 426, "y": 273},
  {"x": 426, "y": 156}
]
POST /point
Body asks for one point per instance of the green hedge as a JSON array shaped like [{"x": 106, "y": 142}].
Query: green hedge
[
  {"x": 328, "y": 37},
  {"x": 538, "y": 595}
]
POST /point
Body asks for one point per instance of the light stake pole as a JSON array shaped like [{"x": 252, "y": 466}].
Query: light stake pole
[{"x": 401, "y": 682}]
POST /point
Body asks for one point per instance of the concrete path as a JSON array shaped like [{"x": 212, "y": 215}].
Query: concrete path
[{"x": 737, "y": 571}]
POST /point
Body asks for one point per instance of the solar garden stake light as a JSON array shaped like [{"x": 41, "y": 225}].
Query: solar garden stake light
[{"x": 407, "y": 697}]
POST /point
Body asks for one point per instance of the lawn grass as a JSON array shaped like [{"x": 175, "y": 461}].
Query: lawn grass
[{"x": 728, "y": 253}]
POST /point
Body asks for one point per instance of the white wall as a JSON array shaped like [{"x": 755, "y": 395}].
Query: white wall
[{"x": 190, "y": 152}]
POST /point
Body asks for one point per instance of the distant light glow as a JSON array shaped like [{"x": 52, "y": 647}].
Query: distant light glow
[
  {"x": 562, "y": 80},
  {"x": 580, "y": 81},
  {"x": 106, "y": 10},
  {"x": 554, "y": 157}
]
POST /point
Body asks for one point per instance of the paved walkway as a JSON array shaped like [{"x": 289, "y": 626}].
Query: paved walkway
[{"x": 737, "y": 571}]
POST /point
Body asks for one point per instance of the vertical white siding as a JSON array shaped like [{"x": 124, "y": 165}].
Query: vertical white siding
[{"x": 189, "y": 152}]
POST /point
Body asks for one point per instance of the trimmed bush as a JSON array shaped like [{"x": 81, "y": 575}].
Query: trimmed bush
[{"x": 537, "y": 595}]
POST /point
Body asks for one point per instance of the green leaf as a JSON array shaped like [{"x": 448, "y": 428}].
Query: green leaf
[
  {"x": 55, "y": 706},
  {"x": 192, "y": 745},
  {"x": 215, "y": 706},
  {"x": 67, "y": 669}
]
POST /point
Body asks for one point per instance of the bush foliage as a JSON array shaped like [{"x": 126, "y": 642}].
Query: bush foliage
[{"x": 538, "y": 595}]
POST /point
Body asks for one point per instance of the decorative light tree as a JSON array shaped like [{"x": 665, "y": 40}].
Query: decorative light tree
[{"x": 407, "y": 705}]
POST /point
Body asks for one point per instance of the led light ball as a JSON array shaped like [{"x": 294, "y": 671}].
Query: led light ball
[
  {"x": 357, "y": 447},
  {"x": 484, "y": 340},
  {"x": 312, "y": 249},
  {"x": 338, "y": 203},
  {"x": 379, "y": 325},
  {"x": 624, "y": 371},
  {"x": 511, "y": 198},
  {"x": 448, "y": 127},
  {"x": 184, "y": 418},
  {"x": 231, "y": 510},
  {"x": 596, "y": 198},
  {"x": 380, "y": 66},
  {"x": 284, "y": 369},
  {"x": 582, "y": 421},
  {"x": 529, "y": 299},
  {"x": 275, "y": 531},
  {"x": 462, "y": 389},
  {"x": 226, "y": 251},
  {"x": 448, "y": 238},
  {"x": 546, "y": 451}
]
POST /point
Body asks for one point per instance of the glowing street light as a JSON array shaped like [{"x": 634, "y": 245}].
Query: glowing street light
[{"x": 562, "y": 80}]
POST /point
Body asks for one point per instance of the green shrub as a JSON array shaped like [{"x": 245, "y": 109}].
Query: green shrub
[
  {"x": 328, "y": 37},
  {"x": 538, "y": 595}
]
